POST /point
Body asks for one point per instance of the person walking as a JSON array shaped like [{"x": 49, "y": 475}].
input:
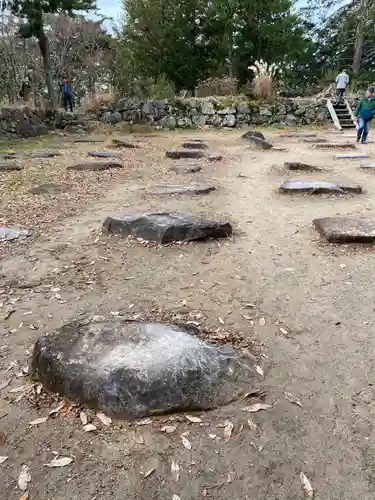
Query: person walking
[
  {"x": 67, "y": 95},
  {"x": 364, "y": 114},
  {"x": 342, "y": 81}
]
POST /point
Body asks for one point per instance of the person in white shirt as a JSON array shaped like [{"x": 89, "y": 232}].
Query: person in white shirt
[{"x": 342, "y": 81}]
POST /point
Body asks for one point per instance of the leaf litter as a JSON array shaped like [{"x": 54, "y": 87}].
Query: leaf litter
[
  {"x": 293, "y": 400},
  {"x": 89, "y": 427},
  {"x": 257, "y": 407},
  {"x": 306, "y": 485},
  {"x": 104, "y": 419},
  {"x": 228, "y": 429},
  {"x": 38, "y": 421},
  {"x": 59, "y": 462},
  {"x": 148, "y": 473},
  {"x": 193, "y": 419},
  {"x": 168, "y": 429},
  {"x": 186, "y": 443},
  {"x": 24, "y": 478}
]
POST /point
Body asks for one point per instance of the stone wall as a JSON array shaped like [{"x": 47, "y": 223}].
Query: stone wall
[{"x": 216, "y": 112}]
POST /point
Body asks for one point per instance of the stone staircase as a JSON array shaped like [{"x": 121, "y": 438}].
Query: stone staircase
[{"x": 341, "y": 114}]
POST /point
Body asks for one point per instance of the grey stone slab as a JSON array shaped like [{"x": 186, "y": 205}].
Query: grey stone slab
[
  {"x": 258, "y": 143},
  {"x": 43, "y": 154},
  {"x": 335, "y": 145},
  {"x": 346, "y": 229},
  {"x": 298, "y": 134},
  {"x": 185, "y": 169},
  {"x": 194, "y": 145},
  {"x": 8, "y": 167},
  {"x": 121, "y": 142},
  {"x": 364, "y": 166},
  {"x": 167, "y": 227},
  {"x": 318, "y": 187},
  {"x": 191, "y": 189},
  {"x": 351, "y": 156},
  {"x": 214, "y": 157},
  {"x": 253, "y": 133},
  {"x": 304, "y": 167},
  {"x": 48, "y": 189},
  {"x": 14, "y": 234},
  {"x": 184, "y": 153},
  {"x": 314, "y": 140},
  {"x": 88, "y": 140},
  {"x": 95, "y": 166},
  {"x": 104, "y": 154},
  {"x": 131, "y": 370}
]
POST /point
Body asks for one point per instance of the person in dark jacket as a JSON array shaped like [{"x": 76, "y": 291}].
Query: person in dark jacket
[
  {"x": 364, "y": 114},
  {"x": 67, "y": 95}
]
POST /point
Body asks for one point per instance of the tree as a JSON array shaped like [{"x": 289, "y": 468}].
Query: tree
[{"x": 32, "y": 15}]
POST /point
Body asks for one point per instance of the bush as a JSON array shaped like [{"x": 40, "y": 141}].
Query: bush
[
  {"x": 97, "y": 101},
  {"x": 225, "y": 85},
  {"x": 264, "y": 82}
]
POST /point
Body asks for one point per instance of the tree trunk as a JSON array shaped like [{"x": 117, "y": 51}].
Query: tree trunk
[
  {"x": 44, "y": 49},
  {"x": 360, "y": 36}
]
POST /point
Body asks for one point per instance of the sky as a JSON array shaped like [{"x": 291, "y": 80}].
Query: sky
[{"x": 110, "y": 8}]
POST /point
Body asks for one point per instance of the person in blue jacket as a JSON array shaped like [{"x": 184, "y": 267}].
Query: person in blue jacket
[
  {"x": 364, "y": 114},
  {"x": 67, "y": 95}
]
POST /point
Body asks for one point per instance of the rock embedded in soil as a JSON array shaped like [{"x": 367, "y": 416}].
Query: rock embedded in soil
[
  {"x": 346, "y": 229},
  {"x": 298, "y": 134},
  {"x": 120, "y": 142},
  {"x": 167, "y": 227},
  {"x": 185, "y": 169},
  {"x": 131, "y": 370},
  {"x": 194, "y": 145},
  {"x": 257, "y": 143},
  {"x": 184, "y": 153},
  {"x": 191, "y": 189},
  {"x": 351, "y": 156},
  {"x": 88, "y": 139},
  {"x": 48, "y": 189},
  {"x": 314, "y": 140},
  {"x": 317, "y": 187},
  {"x": 296, "y": 165},
  {"x": 8, "y": 167},
  {"x": 43, "y": 154},
  {"x": 364, "y": 166},
  {"x": 214, "y": 157},
  {"x": 13, "y": 234},
  {"x": 253, "y": 133},
  {"x": 104, "y": 154},
  {"x": 335, "y": 145},
  {"x": 95, "y": 166}
]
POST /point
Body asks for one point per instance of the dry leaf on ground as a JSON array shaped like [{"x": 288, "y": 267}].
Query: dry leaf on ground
[
  {"x": 24, "y": 478},
  {"x": 231, "y": 476},
  {"x": 306, "y": 485},
  {"x": 259, "y": 370},
  {"x": 257, "y": 407},
  {"x": 83, "y": 417},
  {"x": 175, "y": 497},
  {"x": 252, "y": 425},
  {"x": 148, "y": 473},
  {"x": 104, "y": 419},
  {"x": 168, "y": 429},
  {"x": 2, "y": 459},
  {"x": 221, "y": 320},
  {"x": 290, "y": 398},
  {"x": 194, "y": 420},
  {"x": 139, "y": 439},
  {"x": 262, "y": 322},
  {"x": 59, "y": 462},
  {"x": 25, "y": 496},
  {"x": 89, "y": 427},
  {"x": 186, "y": 442},
  {"x": 38, "y": 421},
  {"x": 175, "y": 468},
  {"x": 56, "y": 411},
  {"x": 228, "y": 429},
  {"x": 144, "y": 421}
]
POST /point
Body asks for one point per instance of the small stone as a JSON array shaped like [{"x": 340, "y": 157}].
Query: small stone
[
  {"x": 257, "y": 143},
  {"x": 181, "y": 189},
  {"x": 317, "y": 187},
  {"x": 13, "y": 234},
  {"x": 8, "y": 167},
  {"x": 295, "y": 165},
  {"x": 335, "y": 145},
  {"x": 185, "y": 169},
  {"x": 48, "y": 189},
  {"x": 104, "y": 154},
  {"x": 95, "y": 166},
  {"x": 184, "y": 153},
  {"x": 351, "y": 156},
  {"x": 253, "y": 133},
  {"x": 346, "y": 229},
  {"x": 194, "y": 145},
  {"x": 167, "y": 227},
  {"x": 214, "y": 157},
  {"x": 132, "y": 370}
]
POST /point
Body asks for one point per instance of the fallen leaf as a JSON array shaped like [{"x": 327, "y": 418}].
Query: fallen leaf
[
  {"x": 262, "y": 322},
  {"x": 89, "y": 427},
  {"x": 257, "y": 407},
  {"x": 259, "y": 370},
  {"x": 290, "y": 398},
  {"x": 212, "y": 436},
  {"x": 139, "y": 439},
  {"x": 240, "y": 429},
  {"x": 18, "y": 389},
  {"x": 306, "y": 485},
  {"x": 168, "y": 429},
  {"x": 284, "y": 332},
  {"x": 175, "y": 468},
  {"x": 24, "y": 478},
  {"x": 144, "y": 421},
  {"x": 175, "y": 497},
  {"x": 83, "y": 417},
  {"x": 194, "y": 420},
  {"x": 25, "y": 496},
  {"x": 38, "y": 421},
  {"x": 221, "y": 320},
  {"x": 228, "y": 429},
  {"x": 56, "y": 411},
  {"x": 231, "y": 476},
  {"x": 252, "y": 425},
  {"x": 104, "y": 419},
  {"x": 2, "y": 459},
  {"x": 148, "y": 473},
  {"x": 59, "y": 462},
  {"x": 5, "y": 384},
  {"x": 186, "y": 442}
]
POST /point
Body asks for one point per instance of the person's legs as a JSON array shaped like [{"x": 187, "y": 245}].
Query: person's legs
[
  {"x": 70, "y": 102},
  {"x": 365, "y": 132},
  {"x": 361, "y": 126},
  {"x": 65, "y": 100}
]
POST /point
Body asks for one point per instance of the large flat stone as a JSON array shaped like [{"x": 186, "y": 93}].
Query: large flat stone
[
  {"x": 167, "y": 227},
  {"x": 194, "y": 145},
  {"x": 121, "y": 142},
  {"x": 95, "y": 166},
  {"x": 43, "y": 154},
  {"x": 186, "y": 168},
  {"x": 184, "y": 153},
  {"x": 88, "y": 139},
  {"x": 298, "y": 134},
  {"x": 304, "y": 167},
  {"x": 351, "y": 156},
  {"x": 314, "y": 140},
  {"x": 181, "y": 189},
  {"x": 13, "y": 234},
  {"x": 335, "y": 145},
  {"x": 104, "y": 154},
  {"x": 252, "y": 133},
  {"x": 318, "y": 187},
  {"x": 346, "y": 229},
  {"x": 258, "y": 143},
  {"x": 364, "y": 166},
  {"x": 48, "y": 189},
  {"x": 130, "y": 369},
  {"x": 8, "y": 167}
]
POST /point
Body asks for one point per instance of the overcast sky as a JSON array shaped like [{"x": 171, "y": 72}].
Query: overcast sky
[{"x": 110, "y": 8}]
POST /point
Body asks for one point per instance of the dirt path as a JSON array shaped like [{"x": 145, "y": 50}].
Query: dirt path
[{"x": 319, "y": 295}]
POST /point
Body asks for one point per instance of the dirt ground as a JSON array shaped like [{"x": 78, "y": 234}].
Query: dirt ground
[{"x": 305, "y": 307}]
